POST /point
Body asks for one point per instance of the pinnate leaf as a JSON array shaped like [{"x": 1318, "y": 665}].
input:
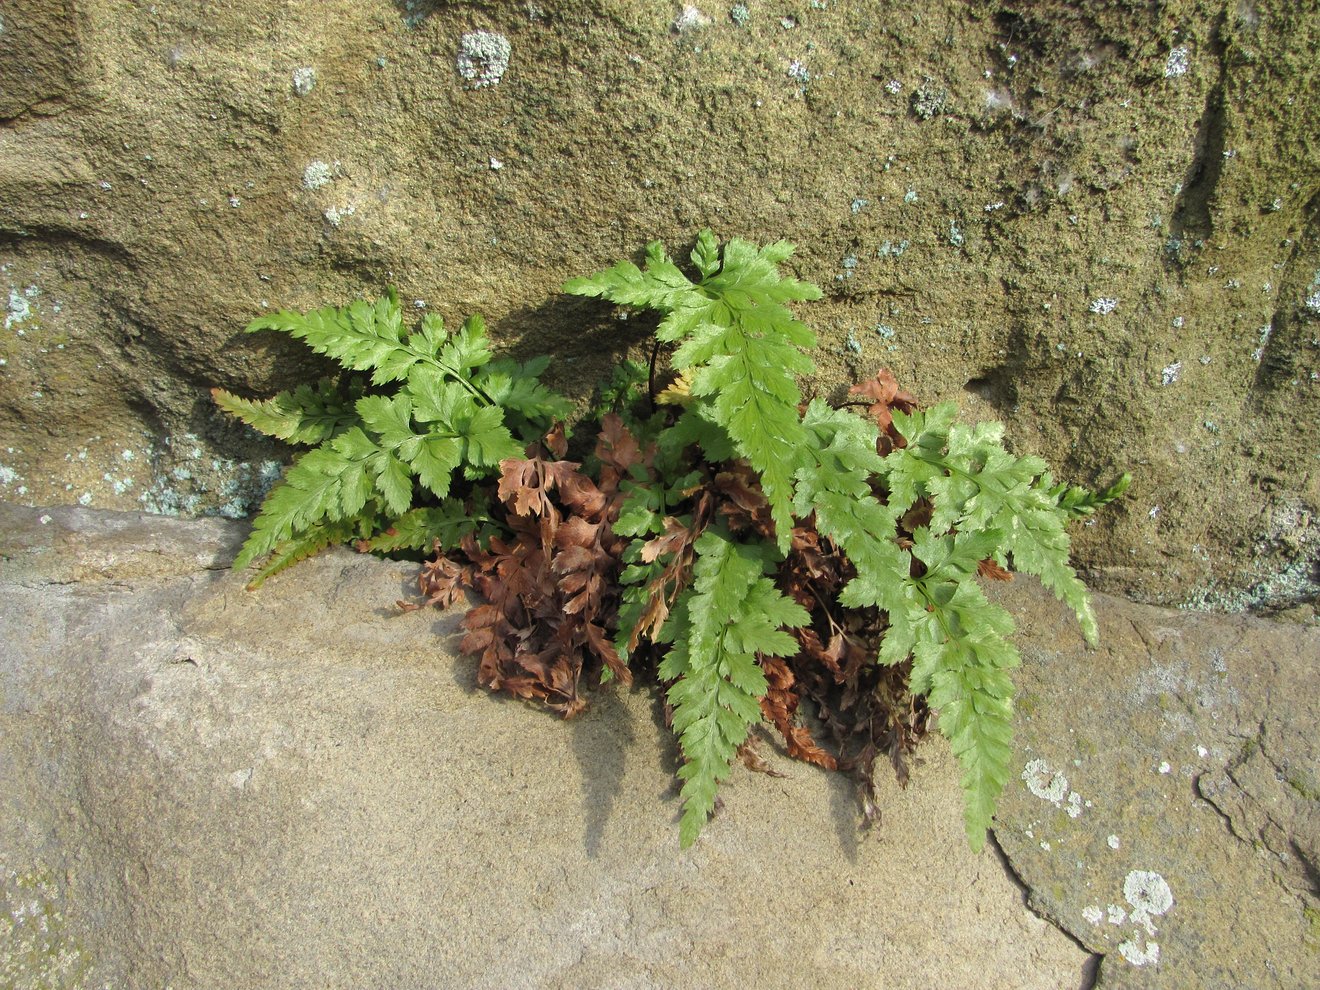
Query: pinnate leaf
[
  {"x": 745, "y": 346},
  {"x": 419, "y": 529},
  {"x": 307, "y": 543},
  {"x": 434, "y": 420},
  {"x": 307, "y": 414},
  {"x": 731, "y": 612},
  {"x": 659, "y": 285},
  {"x": 961, "y": 659}
]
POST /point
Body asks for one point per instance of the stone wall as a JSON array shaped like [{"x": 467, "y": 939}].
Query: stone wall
[{"x": 1097, "y": 222}]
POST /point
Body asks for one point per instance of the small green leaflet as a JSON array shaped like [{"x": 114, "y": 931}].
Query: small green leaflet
[
  {"x": 328, "y": 483},
  {"x": 908, "y": 470},
  {"x": 307, "y": 414},
  {"x": 306, "y": 544},
  {"x": 1078, "y": 501},
  {"x": 362, "y": 336},
  {"x": 660, "y": 286},
  {"x": 418, "y": 529},
  {"x": 526, "y": 402}
]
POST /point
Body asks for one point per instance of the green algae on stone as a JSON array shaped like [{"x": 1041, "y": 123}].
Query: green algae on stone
[{"x": 39, "y": 953}]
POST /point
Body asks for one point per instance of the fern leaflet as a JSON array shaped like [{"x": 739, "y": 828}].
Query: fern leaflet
[
  {"x": 362, "y": 336},
  {"x": 327, "y": 483},
  {"x": 835, "y": 485},
  {"x": 306, "y": 415},
  {"x": 1078, "y": 501},
  {"x": 306, "y": 544},
  {"x": 961, "y": 658},
  {"x": 418, "y": 529}
]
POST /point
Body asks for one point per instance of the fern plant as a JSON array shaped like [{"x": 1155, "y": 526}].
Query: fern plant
[
  {"x": 415, "y": 410},
  {"x": 761, "y": 549},
  {"x": 739, "y": 351}
]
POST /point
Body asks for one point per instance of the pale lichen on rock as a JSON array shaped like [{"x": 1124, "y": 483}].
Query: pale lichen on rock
[
  {"x": 304, "y": 80},
  {"x": 690, "y": 18},
  {"x": 483, "y": 58},
  {"x": 1045, "y": 782},
  {"x": 1177, "y": 63},
  {"x": 1149, "y": 895},
  {"x": 1139, "y": 952},
  {"x": 38, "y": 949},
  {"x": 317, "y": 174}
]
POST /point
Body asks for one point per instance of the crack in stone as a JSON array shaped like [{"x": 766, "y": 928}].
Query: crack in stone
[{"x": 1091, "y": 968}]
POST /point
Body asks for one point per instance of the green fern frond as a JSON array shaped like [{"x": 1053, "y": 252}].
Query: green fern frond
[
  {"x": 909, "y": 471},
  {"x": 730, "y": 613},
  {"x": 307, "y": 414},
  {"x": 660, "y": 286},
  {"x": 306, "y": 544},
  {"x": 362, "y": 336},
  {"x": 743, "y": 343},
  {"x": 1078, "y": 501},
  {"x": 530, "y": 408},
  {"x": 330, "y": 483},
  {"x": 977, "y": 486},
  {"x": 961, "y": 658},
  {"x": 835, "y": 485},
  {"x": 439, "y": 419}
]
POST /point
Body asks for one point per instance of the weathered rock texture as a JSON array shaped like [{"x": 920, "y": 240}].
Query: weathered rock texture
[
  {"x": 1098, "y": 222},
  {"x": 204, "y": 787},
  {"x": 1168, "y": 809}
]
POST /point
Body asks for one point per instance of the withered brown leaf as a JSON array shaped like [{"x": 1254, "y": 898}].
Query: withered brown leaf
[
  {"x": 989, "y": 569},
  {"x": 885, "y": 396},
  {"x": 779, "y": 706}
]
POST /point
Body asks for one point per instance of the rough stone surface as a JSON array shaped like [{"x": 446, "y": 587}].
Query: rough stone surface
[
  {"x": 1097, "y": 222},
  {"x": 1168, "y": 794},
  {"x": 204, "y": 787}
]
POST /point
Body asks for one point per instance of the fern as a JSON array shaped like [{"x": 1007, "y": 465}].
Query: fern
[
  {"x": 738, "y": 351},
  {"x": 450, "y": 409},
  {"x": 836, "y": 486},
  {"x": 697, "y": 530},
  {"x": 734, "y": 329},
  {"x": 731, "y": 613},
  {"x": 528, "y": 405},
  {"x": 1080, "y": 502},
  {"x": 976, "y": 485}
]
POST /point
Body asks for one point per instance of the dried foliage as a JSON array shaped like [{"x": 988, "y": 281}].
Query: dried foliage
[{"x": 551, "y": 592}]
